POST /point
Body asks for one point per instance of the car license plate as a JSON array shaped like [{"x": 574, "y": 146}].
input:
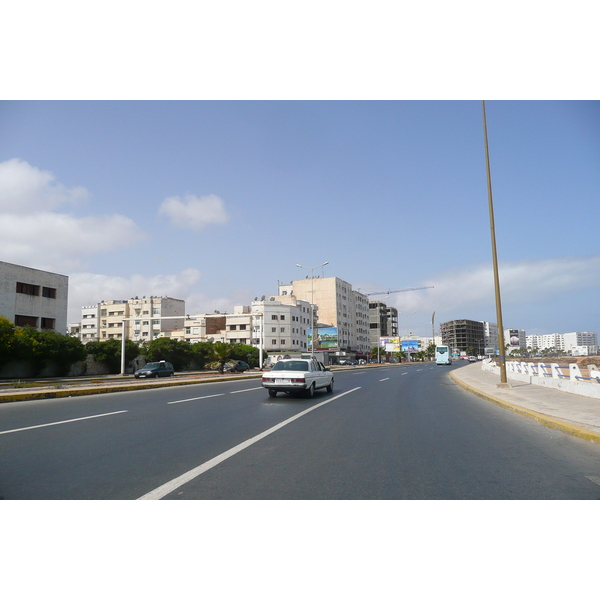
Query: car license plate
[{"x": 282, "y": 381}]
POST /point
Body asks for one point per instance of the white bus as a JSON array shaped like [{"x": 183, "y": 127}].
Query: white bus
[{"x": 443, "y": 355}]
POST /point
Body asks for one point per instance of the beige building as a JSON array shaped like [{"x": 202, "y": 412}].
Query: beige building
[
  {"x": 144, "y": 319},
  {"x": 338, "y": 306}
]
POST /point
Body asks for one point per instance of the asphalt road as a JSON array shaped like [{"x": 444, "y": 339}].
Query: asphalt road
[{"x": 401, "y": 432}]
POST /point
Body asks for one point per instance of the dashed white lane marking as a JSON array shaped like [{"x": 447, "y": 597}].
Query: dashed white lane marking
[
  {"x": 170, "y": 486},
  {"x": 199, "y": 398},
  {"x": 404, "y": 373},
  {"x": 61, "y": 422},
  {"x": 248, "y": 390},
  {"x": 593, "y": 478},
  {"x": 384, "y": 379}
]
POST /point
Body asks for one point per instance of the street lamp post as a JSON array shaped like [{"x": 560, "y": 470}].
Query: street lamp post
[
  {"x": 502, "y": 357},
  {"x": 312, "y": 293}
]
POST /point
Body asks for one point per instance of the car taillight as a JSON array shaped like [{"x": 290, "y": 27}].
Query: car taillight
[
  {"x": 266, "y": 379},
  {"x": 299, "y": 380}
]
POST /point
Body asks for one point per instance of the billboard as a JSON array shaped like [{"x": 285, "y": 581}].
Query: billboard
[
  {"x": 410, "y": 345},
  {"x": 390, "y": 344},
  {"x": 326, "y": 338},
  {"x": 513, "y": 335}
]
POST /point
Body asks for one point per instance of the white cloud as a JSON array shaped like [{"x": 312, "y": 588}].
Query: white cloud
[
  {"x": 33, "y": 234},
  {"x": 89, "y": 288},
  {"x": 27, "y": 189},
  {"x": 191, "y": 212},
  {"x": 60, "y": 242},
  {"x": 527, "y": 281}
]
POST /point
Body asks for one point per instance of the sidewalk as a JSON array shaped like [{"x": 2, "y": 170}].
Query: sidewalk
[{"x": 570, "y": 413}]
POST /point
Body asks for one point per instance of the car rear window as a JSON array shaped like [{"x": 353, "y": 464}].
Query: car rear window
[{"x": 292, "y": 365}]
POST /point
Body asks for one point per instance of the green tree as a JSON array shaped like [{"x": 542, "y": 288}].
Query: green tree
[
  {"x": 178, "y": 352},
  {"x": 248, "y": 354},
  {"x": 62, "y": 350},
  {"x": 108, "y": 352},
  {"x": 221, "y": 353},
  {"x": 7, "y": 334},
  {"x": 201, "y": 353},
  {"x": 39, "y": 348}
]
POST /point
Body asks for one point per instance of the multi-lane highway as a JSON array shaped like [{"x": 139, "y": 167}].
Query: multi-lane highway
[{"x": 394, "y": 432}]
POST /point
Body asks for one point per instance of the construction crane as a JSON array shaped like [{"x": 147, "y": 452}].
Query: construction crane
[{"x": 397, "y": 291}]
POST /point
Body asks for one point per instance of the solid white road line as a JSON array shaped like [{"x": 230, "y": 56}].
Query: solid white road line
[
  {"x": 199, "y": 398},
  {"x": 61, "y": 422},
  {"x": 170, "y": 486}
]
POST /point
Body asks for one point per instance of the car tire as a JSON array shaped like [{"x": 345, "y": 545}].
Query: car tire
[
  {"x": 330, "y": 387},
  {"x": 310, "y": 392},
  {"x": 272, "y": 393}
]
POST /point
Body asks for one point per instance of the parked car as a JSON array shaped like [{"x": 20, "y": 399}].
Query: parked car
[
  {"x": 298, "y": 376},
  {"x": 236, "y": 366},
  {"x": 156, "y": 369}
]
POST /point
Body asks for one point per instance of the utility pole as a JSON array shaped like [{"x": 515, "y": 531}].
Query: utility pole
[{"x": 503, "y": 379}]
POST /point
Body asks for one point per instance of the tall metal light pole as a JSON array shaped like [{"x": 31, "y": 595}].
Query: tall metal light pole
[
  {"x": 312, "y": 293},
  {"x": 502, "y": 356}
]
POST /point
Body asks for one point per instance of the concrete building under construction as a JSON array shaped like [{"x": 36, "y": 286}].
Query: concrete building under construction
[{"x": 464, "y": 335}]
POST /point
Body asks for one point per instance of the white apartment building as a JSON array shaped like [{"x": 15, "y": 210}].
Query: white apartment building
[
  {"x": 286, "y": 322},
  {"x": 34, "y": 297},
  {"x": 201, "y": 328},
  {"x": 144, "y": 318},
  {"x": 339, "y": 306},
  {"x": 90, "y": 320},
  {"x": 576, "y": 343},
  {"x": 148, "y": 317},
  {"x": 545, "y": 341},
  {"x": 490, "y": 335},
  {"x": 579, "y": 339},
  {"x": 515, "y": 339}
]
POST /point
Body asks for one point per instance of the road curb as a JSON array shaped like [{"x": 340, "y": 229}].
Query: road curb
[
  {"x": 547, "y": 421},
  {"x": 68, "y": 393}
]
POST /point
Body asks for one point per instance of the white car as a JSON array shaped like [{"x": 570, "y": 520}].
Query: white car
[{"x": 298, "y": 375}]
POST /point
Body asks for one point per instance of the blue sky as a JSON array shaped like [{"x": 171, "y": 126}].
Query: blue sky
[{"x": 215, "y": 202}]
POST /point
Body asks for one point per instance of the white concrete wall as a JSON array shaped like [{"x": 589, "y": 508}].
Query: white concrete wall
[{"x": 591, "y": 389}]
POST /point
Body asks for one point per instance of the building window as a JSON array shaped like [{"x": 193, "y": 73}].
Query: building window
[
  {"x": 22, "y": 320},
  {"x": 242, "y": 327},
  {"x": 282, "y": 317},
  {"x": 47, "y": 323},
  {"x": 232, "y": 327},
  {"x": 273, "y": 329},
  {"x": 283, "y": 330},
  {"x": 273, "y": 342},
  {"x": 26, "y": 288},
  {"x": 273, "y": 317}
]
